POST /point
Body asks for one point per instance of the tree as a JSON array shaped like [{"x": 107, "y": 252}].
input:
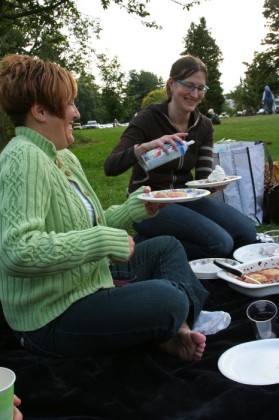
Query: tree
[
  {"x": 199, "y": 42},
  {"x": 259, "y": 73},
  {"x": 138, "y": 86},
  {"x": 264, "y": 69},
  {"x": 47, "y": 29},
  {"x": 57, "y": 31},
  {"x": 88, "y": 99},
  {"x": 271, "y": 13},
  {"x": 112, "y": 91},
  {"x": 155, "y": 96},
  {"x": 269, "y": 60}
]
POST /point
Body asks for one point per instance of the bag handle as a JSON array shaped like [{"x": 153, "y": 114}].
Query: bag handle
[
  {"x": 270, "y": 163},
  {"x": 253, "y": 183},
  {"x": 266, "y": 203}
]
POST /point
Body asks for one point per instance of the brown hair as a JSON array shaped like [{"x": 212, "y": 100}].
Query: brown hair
[
  {"x": 26, "y": 80},
  {"x": 184, "y": 67}
]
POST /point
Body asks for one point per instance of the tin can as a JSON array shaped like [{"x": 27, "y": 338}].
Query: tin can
[{"x": 157, "y": 157}]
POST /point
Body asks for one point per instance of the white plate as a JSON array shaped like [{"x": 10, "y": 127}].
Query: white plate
[
  {"x": 252, "y": 363},
  {"x": 250, "y": 289},
  {"x": 191, "y": 195},
  {"x": 256, "y": 251},
  {"x": 203, "y": 183},
  {"x": 206, "y": 269}
]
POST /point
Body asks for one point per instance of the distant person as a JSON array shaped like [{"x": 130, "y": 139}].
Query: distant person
[
  {"x": 206, "y": 227},
  {"x": 268, "y": 100},
  {"x": 213, "y": 117},
  {"x": 116, "y": 123}
]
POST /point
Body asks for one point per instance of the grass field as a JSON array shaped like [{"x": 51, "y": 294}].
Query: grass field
[{"x": 93, "y": 146}]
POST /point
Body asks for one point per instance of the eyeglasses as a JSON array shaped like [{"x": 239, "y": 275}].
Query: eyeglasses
[{"x": 191, "y": 86}]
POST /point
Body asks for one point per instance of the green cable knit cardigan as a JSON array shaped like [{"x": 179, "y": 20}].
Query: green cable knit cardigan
[{"x": 50, "y": 255}]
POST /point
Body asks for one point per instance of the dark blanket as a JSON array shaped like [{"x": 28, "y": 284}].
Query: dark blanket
[{"x": 143, "y": 384}]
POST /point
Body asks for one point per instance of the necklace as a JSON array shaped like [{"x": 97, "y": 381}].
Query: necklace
[{"x": 182, "y": 127}]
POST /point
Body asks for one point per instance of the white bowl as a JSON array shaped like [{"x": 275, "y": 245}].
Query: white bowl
[
  {"x": 250, "y": 289},
  {"x": 205, "y": 268}
]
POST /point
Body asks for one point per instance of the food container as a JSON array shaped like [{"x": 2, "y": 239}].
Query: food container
[{"x": 250, "y": 289}]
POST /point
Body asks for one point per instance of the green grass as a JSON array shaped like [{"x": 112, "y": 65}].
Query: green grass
[
  {"x": 93, "y": 146},
  {"x": 260, "y": 127}
]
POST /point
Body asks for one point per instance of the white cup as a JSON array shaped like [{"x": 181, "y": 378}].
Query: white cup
[{"x": 7, "y": 380}]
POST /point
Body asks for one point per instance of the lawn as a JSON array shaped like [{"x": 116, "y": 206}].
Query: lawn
[
  {"x": 260, "y": 127},
  {"x": 93, "y": 146}
]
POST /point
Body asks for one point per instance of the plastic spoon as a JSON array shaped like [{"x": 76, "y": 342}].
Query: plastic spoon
[{"x": 234, "y": 271}]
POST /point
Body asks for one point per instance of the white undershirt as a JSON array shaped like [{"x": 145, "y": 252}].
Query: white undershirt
[{"x": 86, "y": 202}]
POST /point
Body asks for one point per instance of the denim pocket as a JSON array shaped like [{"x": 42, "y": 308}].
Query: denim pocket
[{"x": 29, "y": 344}]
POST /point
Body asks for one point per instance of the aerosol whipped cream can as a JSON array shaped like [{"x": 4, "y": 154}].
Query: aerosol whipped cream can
[{"x": 157, "y": 157}]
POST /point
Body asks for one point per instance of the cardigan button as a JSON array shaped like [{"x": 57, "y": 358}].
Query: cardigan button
[
  {"x": 59, "y": 163},
  {"x": 67, "y": 172},
  {"x": 99, "y": 220},
  {"x": 86, "y": 193}
]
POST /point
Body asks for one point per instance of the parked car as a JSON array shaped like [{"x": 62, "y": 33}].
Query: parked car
[
  {"x": 276, "y": 104},
  {"x": 223, "y": 115},
  {"x": 91, "y": 124},
  {"x": 107, "y": 125},
  {"x": 77, "y": 126}
]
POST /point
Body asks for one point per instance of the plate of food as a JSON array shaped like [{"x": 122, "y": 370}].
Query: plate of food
[
  {"x": 252, "y": 363},
  {"x": 205, "y": 268},
  {"x": 256, "y": 251},
  {"x": 205, "y": 183},
  {"x": 218, "y": 177},
  {"x": 174, "y": 195},
  {"x": 259, "y": 278}
]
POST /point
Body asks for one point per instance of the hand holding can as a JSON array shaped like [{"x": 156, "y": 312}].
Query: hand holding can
[{"x": 157, "y": 157}]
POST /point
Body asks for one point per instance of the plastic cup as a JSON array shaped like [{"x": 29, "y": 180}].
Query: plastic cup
[
  {"x": 263, "y": 317},
  {"x": 122, "y": 278},
  {"x": 7, "y": 380},
  {"x": 272, "y": 236}
]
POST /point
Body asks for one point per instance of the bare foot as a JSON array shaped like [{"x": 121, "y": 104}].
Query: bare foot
[{"x": 186, "y": 344}]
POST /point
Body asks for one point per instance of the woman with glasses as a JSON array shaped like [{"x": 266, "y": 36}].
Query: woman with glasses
[{"x": 206, "y": 227}]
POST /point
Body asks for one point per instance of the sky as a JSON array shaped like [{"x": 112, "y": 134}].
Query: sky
[{"x": 237, "y": 26}]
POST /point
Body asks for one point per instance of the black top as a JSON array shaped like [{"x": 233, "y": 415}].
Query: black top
[{"x": 152, "y": 123}]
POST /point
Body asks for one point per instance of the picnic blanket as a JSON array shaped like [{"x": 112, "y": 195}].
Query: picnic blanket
[{"x": 143, "y": 384}]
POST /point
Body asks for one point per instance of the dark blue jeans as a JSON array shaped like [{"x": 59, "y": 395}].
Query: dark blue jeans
[
  {"x": 207, "y": 228},
  {"x": 151, "y": 310}
]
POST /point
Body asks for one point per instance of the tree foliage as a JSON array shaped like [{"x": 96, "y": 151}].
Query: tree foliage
[
  {"x": 264, "y": 69},
  {"x": 271, "y": 13},
  {"x": 155, "y": 96},
  {"x": 56, "y": 30},
  {"x": 48, "y": 29},
  {"x": 111, "y": 102},
  {"x": 139, "y": 85},
  {"x": 199, "y": 42},
  {"x": 88, "y": 100}
]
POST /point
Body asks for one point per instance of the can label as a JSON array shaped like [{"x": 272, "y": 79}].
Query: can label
[{"x": 157, "y": 157}]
